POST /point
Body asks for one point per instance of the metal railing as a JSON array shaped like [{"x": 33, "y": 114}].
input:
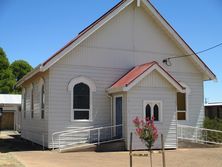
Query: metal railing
[
  {"x": 199, "y": 135},
  {"x": 92, "y": 136}
]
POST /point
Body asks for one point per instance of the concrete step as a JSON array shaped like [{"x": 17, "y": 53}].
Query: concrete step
[{"x": 79, "y": 147}]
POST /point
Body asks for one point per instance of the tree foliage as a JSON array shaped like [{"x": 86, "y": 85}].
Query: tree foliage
[
  {"x": 4, "y": 63},
  {"x": 7, "y": 81},
  {"x": 20, "y": 68},
  {"x": 9, "y": 74}
]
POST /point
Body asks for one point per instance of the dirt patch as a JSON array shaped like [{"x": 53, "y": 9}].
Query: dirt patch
[
  {"x": 7, "y": 160},
  {"x": 175, "y": 158},
  {"x": 10, "y": 141}
]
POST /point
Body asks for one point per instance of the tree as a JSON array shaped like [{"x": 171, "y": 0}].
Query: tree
[
  {"x": 4, "y": 63},
  {"x": 20, "y": 68},
  {"x": 7, "y": 81},
  {"x": 9, "y": 74}
]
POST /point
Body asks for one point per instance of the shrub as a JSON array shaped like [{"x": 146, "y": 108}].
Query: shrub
[{"x": 215, "y": 124}]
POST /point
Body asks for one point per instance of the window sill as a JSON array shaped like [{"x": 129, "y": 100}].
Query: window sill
[
  {"x": 158, "y": 122},
  {"x": 79, "y": 121}
]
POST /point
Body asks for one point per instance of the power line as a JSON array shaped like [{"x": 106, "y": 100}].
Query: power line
[{"x": 167, "y": 60}]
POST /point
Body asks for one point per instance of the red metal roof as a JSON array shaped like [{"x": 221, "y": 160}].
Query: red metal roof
[
  {"x": 132, "y": 75},
  {"x": 137, "y": 71}
]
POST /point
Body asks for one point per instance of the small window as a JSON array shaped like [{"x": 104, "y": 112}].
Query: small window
[
  {"x": 181, "y": 106},
  {"x": 81, "y": 101},
  {"x": 148, "y": 111},
  {"x": 42, "y": 101},
  {"x": 156, "y": 112},
  {"x": 152, "y": 110}
]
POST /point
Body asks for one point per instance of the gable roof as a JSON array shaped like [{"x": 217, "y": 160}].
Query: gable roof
[
  {"x": 102, "y": 21},
  {"x": 138, "y": 73}
]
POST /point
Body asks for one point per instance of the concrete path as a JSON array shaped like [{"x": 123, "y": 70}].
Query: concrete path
[{"x": 176, "y": 158}]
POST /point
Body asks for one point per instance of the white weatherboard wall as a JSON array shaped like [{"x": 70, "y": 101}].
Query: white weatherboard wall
[
  {"x": 129, "y": 39},
  {"x": 153, "y": 88},
  {"x": 34, "y": 128}
]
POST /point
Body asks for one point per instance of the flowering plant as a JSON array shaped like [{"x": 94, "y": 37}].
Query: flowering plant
[{"x": 146, "y": 131}]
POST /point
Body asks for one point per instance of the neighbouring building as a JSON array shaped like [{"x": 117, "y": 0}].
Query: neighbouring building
[
  {"x": 114, "y": 70},
  {"x": 213, "y": 110}
]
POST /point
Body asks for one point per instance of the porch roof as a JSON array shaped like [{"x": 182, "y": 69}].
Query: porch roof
[{"x": 137, "y": 73}]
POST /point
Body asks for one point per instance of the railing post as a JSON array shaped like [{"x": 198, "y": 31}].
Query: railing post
[
  {"x": 98, "y": 136},
  {"x": 196, "y": 135},
  {"x": 59, "y": 142},
  {"x": 53, "y": 145}
]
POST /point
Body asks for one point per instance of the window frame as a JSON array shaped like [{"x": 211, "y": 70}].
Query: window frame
[
  {"x": 92, "y": 88},
  {"x": 152, "y": 104},
  {"x": 187, "y": 93},
  {"x": 82, "y": 109}
]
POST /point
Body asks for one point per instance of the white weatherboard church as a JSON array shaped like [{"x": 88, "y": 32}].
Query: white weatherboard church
[{"x": 114, "y": 70}]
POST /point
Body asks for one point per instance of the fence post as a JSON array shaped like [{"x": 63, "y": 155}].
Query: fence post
[
  {"x": 196, "y": 135},
  {"x": 59, "y": 142},
  {"x": 130, "y": 154},
  {"x": 163, "y": 151}
]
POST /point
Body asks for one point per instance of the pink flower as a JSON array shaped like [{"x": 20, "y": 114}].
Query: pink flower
[
  {"x": 146, "y": 131},
  {"x": 136, "y": 121}
]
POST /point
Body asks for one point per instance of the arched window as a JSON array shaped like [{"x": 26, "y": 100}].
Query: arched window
[
  {"x": 153, "y": 109},
  {"x": 32, "y": 101},
  {"x": 156, "y": 112},
  {"x": 81, "y": 101},
  {"x": 148, "y": 111},
  {"x": 81, "y": 98},
  {"x": 42, "y": 98}
]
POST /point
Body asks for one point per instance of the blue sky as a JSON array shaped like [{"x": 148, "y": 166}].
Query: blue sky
[{"x": 35, "y": 29}]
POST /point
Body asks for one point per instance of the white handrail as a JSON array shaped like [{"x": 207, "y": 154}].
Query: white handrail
[
  {"x": 66, "y": 131},
  {"x": 87, "y": 130},
  {"x": 212, "y": 130},
  {"x": 99, "y": 129}
]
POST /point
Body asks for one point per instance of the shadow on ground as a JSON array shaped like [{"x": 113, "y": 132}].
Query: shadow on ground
[{"x": 14, "y": 142}]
